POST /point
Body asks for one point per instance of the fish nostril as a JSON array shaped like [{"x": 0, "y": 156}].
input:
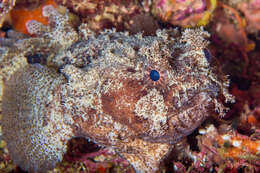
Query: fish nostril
[
  {"x": 154, "y": 75},
  {"x": 207, "y": 55}
]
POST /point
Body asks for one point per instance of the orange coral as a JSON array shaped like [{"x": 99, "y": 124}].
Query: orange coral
[
  {"x": 22, "y": 15},
  {"x": 252, "y": 120},
  {"x": 238, "y": 146}
]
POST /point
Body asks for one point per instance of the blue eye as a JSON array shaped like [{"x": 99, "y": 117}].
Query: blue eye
[{"x": 154, "y": 75}]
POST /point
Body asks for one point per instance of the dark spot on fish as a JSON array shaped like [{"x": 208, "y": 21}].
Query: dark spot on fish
[
  {"x": 36, "y": 58},
  {"x": 207, "y": 54}
]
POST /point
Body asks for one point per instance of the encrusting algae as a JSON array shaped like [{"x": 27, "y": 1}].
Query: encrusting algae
[{"x": 137, "y": 95}]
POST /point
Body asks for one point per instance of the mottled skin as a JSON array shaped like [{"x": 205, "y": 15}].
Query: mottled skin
[{"x": 104, "y": 93}]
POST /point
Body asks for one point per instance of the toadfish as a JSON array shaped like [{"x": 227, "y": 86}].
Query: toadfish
[{"x": 135, "y": 94}]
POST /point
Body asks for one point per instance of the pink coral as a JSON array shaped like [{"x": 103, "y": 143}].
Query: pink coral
[
  {"x": 183, "y": 12},
  {"x": 251, "y": 11}
]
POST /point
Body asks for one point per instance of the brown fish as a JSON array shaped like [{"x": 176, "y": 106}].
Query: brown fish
[{"x": 135, "y": 94}]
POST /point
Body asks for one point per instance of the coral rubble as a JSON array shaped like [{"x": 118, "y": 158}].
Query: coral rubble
[{"x": 136, "y": 94}]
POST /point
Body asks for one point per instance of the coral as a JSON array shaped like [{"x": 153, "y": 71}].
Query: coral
[
  {"x": 108, "y": 14},
  {"x": 5, "y": 7},
  {"x": 86, "y": 8},
  {"x": 29, "y": 4},
  {"x": 106, "y": 91},
  {"x": 185, "y": 13},
  {"x": 221, "y": 149},
  {"x": 94, "y": 158},
  {"x": 250, "y": 9},
  {"x": 239, "y": 146},
  {"x": 229, "y": 27},
  {"x": 21, "y": 17},
  {"x": 232, "y": 22}
]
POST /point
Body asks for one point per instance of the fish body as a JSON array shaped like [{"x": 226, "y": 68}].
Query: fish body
[{"x": 136, "y": 94}]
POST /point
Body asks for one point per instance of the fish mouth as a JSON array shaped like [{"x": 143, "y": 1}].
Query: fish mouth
[{"x": 182, "y": 123}]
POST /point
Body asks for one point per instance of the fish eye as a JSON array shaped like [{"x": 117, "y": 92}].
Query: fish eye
[{"x": 154, "y": 75}]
